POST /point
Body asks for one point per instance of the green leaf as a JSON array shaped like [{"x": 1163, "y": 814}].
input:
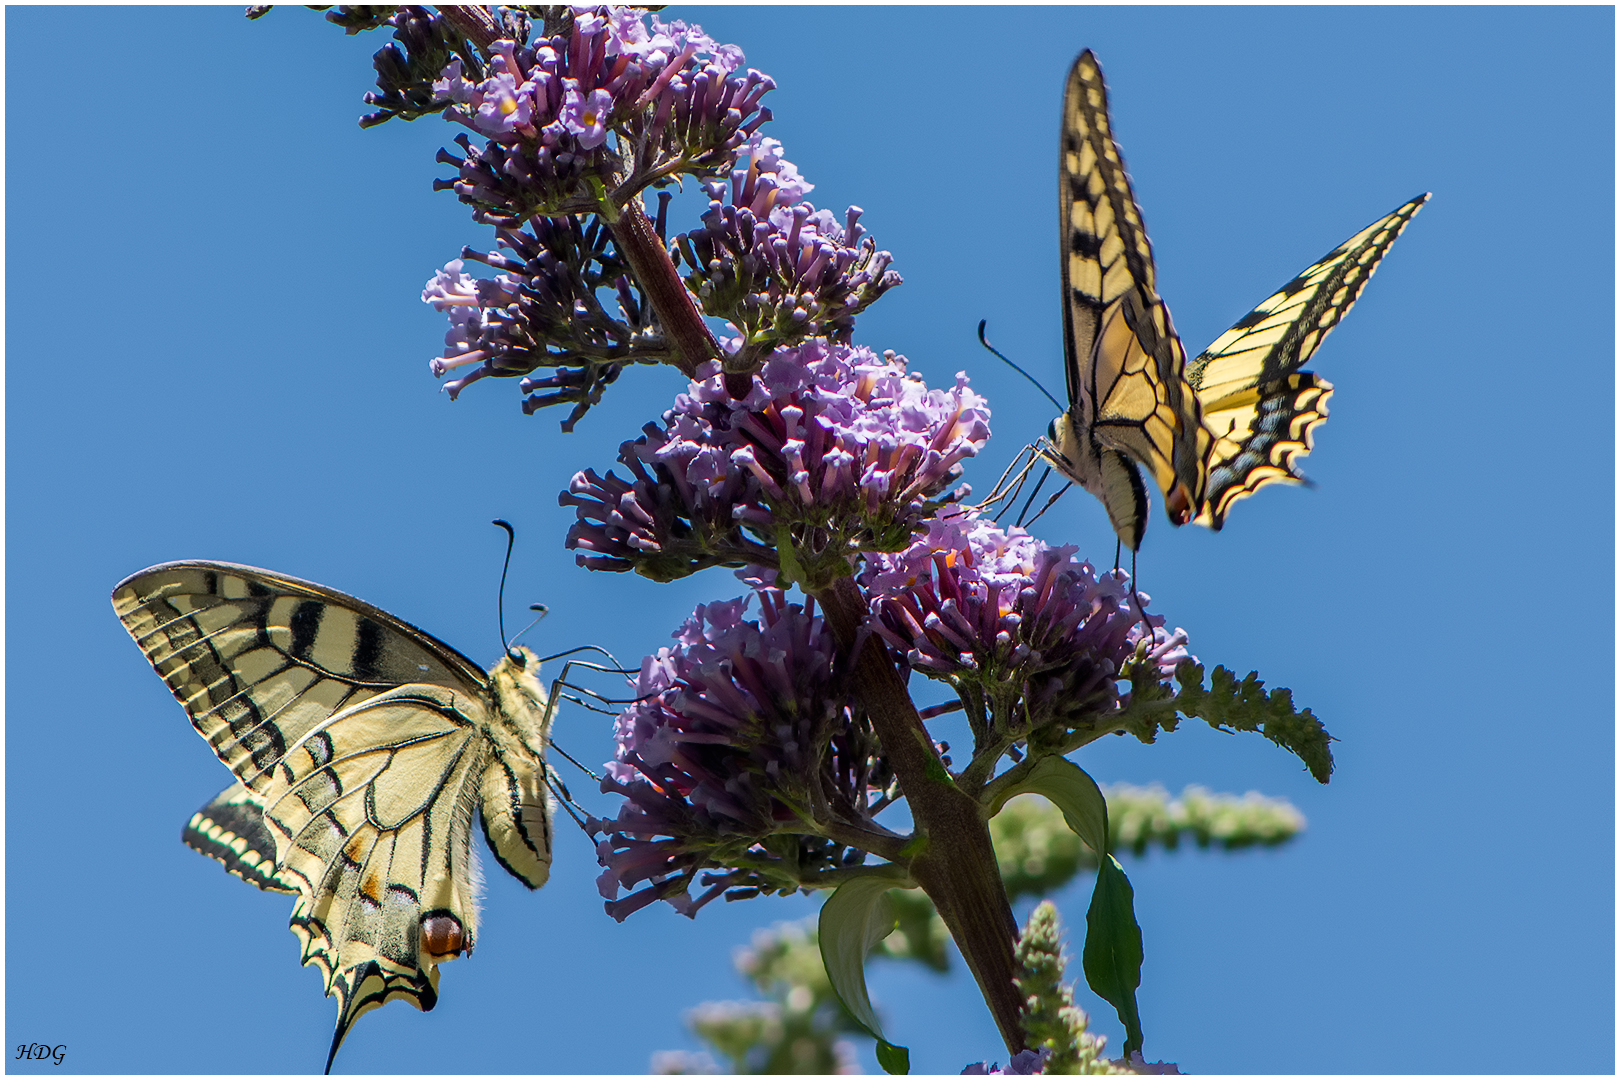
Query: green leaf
[
  {"x": 896, "y": 1060},
  {"x": 1113, "y": 952},
  {"x": 1072, "y": 791},
  {"x": 789, "y": 571},
  {"x": 854, "y": 919},
  {"x": 1246, "y": 706}
]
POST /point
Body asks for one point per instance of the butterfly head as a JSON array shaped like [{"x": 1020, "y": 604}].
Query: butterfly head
[{"x": 1068, "y": 453}]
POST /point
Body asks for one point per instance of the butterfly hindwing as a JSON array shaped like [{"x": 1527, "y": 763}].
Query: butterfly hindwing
[
  {"x": 231, "y": 830},
  {"x": 363, "y": 747},
  {"x": 1260, "y": 408},
  {"x": 1124, "y": 362}
]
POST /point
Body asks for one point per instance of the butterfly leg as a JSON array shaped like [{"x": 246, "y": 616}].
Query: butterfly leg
[
  {"x": 1056, "y": 495},
  {"x": 1011, "y": 482},
  {"x": 1019, "y": 521},
  {"x": 1136, "y": 597}
]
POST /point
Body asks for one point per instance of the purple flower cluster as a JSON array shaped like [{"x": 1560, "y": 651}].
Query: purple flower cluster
[
  {"x": 1031, "y": 639},
  {"x": 779, "y": 269},
  {"x": 545, "y": 310},
  {"x": 424, "y": 42},
  {"x": 1023, "y": 1063},
  {"x": 670, "y": 93},
  {"x": 833, "y": 452},
  {"x": 741, "y": 740}
]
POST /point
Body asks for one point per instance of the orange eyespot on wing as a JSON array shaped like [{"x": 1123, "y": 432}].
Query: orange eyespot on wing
[{"x": 442, "y": 935}]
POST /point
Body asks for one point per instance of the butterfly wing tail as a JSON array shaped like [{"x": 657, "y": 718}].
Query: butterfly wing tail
[{"x": 369, "y": 986}]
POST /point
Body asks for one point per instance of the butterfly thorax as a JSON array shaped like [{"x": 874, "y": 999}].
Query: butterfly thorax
[
  {"x": 521, "y": 699},
  {"x": 1073, "y": 448}
]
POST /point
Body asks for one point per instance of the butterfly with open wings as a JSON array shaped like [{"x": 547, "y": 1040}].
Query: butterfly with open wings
[{"x": 1210, "y": 432}]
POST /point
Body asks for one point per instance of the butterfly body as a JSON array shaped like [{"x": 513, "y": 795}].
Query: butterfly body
[
  {"x": 362, "y": 749},
  {"x": 1210, "y": 432}
]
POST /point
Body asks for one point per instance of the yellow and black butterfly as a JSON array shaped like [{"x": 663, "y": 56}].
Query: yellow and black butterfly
[
  {"x": 1210, "y": 432},
  {"x": 362, "y": 747}
]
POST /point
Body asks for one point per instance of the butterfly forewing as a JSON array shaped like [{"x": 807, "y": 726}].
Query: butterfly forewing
[
  {"x": 1124, "y": 362},
  {"x": 1106, "y": 248},
  {"x": 258, "y": 659},
  {"x": 1260, "y": 408},
  {"x": 363, "y": 747}
]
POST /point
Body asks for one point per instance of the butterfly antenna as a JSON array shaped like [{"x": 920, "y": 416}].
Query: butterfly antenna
[
  {"x": 617, "y": 668},
  {"x": 542, "y": 612},
  {"x": 997, "y": 353},
  {"x": 500, "y": 595}
]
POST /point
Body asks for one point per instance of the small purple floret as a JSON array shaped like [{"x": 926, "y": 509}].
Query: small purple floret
[{"x": 586, "y": 116}]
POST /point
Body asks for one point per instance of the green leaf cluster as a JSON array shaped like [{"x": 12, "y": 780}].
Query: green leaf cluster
[{"x": 1244, "y": 705}]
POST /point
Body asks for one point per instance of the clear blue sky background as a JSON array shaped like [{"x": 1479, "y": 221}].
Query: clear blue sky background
[{"x": 216, "y": 349}]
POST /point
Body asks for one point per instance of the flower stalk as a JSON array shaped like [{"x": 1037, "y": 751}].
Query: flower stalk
[
  {"x": 954, "y": 864},
  {"x": 638, "y": 243}
]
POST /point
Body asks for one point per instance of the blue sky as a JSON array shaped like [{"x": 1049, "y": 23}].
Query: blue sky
[{"x": 216, "y": 350}]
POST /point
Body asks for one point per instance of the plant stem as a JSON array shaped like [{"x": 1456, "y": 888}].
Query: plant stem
[
  {"x": 638, "y": 242},
  {"x": 955, "y": 865},
  {"x": 474, "y": 22}
]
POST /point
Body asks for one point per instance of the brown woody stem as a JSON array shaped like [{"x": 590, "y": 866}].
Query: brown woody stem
[
  {"x": 637, "y": 241},
  {"x": 475, "y": 23},
  {"x": 955, "y": 864}
]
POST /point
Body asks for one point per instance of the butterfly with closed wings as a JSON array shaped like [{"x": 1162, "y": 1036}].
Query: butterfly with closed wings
[
  {"x": 361, "y": 748},
  {"x": 1236, "y": 418}
]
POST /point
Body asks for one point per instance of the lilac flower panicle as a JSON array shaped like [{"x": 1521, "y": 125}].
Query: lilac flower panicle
[
  {"x": 774, "y": 266},
  {"x": 740, "y": 739},
  {"x": 545, "y": 310},
  {"x": 1032, "y": 640},
  {"x": 567, "y": 129},
  {"x": 833, "y": 451},
  {"x": 671, "y": 97}
]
